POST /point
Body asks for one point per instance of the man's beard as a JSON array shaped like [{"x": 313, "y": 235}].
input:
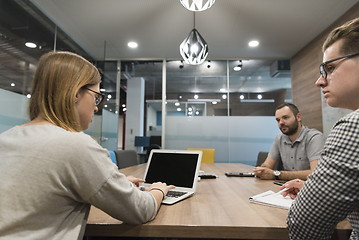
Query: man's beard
[{"x": 291, "y": 129}]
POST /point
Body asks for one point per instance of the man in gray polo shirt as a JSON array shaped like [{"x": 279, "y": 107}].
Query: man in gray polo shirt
[{"x": 298, "y": 147}]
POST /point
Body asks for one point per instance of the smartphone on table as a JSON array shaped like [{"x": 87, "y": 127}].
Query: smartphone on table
[{"x": 239, "y": 174}]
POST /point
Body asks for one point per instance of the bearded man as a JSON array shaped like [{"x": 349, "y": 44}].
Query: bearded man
[{"x": 297, "y": 147}]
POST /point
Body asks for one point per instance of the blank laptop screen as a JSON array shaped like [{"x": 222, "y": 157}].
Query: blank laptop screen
[{"x": 177, "y": 169}]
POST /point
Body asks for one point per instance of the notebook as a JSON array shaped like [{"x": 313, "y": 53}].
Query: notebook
[
  {"x": 273, "y": 199},
  {"x": 174, "y": 167}
]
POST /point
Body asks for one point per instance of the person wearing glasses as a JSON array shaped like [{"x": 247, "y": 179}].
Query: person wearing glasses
[
  {"x": 51, "y": 172},
  {"x": 298, "y": 147},
  {"x": 331, "y": 193}
]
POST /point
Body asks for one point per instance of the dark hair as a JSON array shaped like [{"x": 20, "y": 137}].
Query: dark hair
[
  {"x": 291, "y": 106},
  {"x": 349, "y": 32}
]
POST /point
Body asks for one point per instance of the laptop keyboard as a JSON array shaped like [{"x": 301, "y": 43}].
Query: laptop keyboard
[{"x": 175, "y": 194}]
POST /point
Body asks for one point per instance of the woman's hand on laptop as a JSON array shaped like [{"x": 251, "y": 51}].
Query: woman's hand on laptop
[
  {"x": 135, "y": 181},
  {"x": 159, "y": 190}
]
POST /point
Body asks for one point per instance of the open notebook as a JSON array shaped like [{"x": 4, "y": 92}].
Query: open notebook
[
  {"x": 174, "y": 167},
  {"x": 273, "y": 199}
]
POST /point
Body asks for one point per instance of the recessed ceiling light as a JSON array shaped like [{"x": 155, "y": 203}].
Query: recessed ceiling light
[
  {"x": 12, "y": 84},
  {"x": 132, "y": 44},
  {"x": 253, "y": 43},
  {"x": 30, "y": 45}
]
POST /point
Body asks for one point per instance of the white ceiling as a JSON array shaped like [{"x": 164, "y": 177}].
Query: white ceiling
[{"x": 283, "y": 27}]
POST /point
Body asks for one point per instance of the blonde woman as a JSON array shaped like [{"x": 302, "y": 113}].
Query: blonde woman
[{"x": 51, "y": 172}]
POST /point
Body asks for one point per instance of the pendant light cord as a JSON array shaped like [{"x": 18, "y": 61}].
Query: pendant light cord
[{"x": 194, "y": 19}]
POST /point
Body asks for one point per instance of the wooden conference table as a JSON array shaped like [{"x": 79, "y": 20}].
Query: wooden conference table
[{"x": 219, "y": 209}]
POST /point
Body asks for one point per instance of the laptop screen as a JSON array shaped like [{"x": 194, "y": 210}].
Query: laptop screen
[{"x": 177, "y": 169}]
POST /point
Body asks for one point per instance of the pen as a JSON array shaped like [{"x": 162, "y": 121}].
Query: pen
[{"x": 283, "y": 190}]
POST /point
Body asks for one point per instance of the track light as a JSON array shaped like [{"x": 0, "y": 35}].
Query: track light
[
  {"x": 239, "y": 66},
  {"x": 181, "y": 65}
]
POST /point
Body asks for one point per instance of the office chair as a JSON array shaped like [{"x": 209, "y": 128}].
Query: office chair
[
  {"x": 262, "y": 157},
  {"x": 207, "y": 154},
  {"x": 149, "y": 149},
  {"x": 126, "y": 158}
]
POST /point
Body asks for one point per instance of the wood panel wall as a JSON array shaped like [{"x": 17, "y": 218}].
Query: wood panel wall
[{"x": 305, "y": 71}]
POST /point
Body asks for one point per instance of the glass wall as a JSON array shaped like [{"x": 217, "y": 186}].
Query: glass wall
[{"x": 211, "y": 105}]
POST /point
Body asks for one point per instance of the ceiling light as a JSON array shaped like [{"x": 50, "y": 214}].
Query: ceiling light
[
  {"x": 123, "y": 105},
  {"x": 224, "y": 96},
  {"x": 195, "y": 96},
  {"x": 238, "y": 67},
  {"x": 197, "y": 5},
  {"x": 132, "y": 45},
  {"x": 194, "y": 49},
  {"x": 177, "y": 104},
  {"x": 179, "y": 109},
  {"x": 259, "y": 96},
  {"x": 214, "y": 102},
  {"x": 12, "y": 84},
  {"x": 253, "y": 43},
  {"x": 30, "y": 45},
  {"x": 241, "y": 97},
  {"x": 28, "y": 95},
  {"x": 222, "y": 90}
]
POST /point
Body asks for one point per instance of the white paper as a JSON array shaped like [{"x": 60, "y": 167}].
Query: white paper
[{"x": 273, "y": 199}]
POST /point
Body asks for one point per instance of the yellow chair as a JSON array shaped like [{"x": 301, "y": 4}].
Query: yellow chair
[{"x": 207, "y": 154}]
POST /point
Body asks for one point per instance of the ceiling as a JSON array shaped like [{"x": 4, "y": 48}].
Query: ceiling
[
  {"x": 100, "y": 30},
  {"x": 283, "y": 27}
]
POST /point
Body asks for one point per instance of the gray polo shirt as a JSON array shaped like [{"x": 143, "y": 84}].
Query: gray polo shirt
[{"x": 297, "y": 156}]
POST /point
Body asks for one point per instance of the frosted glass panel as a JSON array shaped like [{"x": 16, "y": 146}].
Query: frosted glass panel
[
  {"x": 235, "y": 139},
  {"x": 109, "y": 130},
  {"x": 13, "y": 109}
]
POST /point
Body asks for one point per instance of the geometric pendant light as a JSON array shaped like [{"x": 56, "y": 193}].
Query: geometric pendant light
[
  {"x": 197, "y": 5},
  {"x": 194, "y": 49}
]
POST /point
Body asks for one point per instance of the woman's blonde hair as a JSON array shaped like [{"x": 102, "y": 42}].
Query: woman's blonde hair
[{"x": 58, "y": 78}]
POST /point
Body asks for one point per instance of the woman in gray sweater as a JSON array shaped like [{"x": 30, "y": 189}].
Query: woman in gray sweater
[{"x": 51, "y": 172}]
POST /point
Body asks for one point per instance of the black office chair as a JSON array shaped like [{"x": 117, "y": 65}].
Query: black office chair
[{"x": 149, "y": 149}]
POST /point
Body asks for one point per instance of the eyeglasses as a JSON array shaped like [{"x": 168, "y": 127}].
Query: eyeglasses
[
  {"x": 324, "y": 69},
  {"x": 99, "y": 96}
]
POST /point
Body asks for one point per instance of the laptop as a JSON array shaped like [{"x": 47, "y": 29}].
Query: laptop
[{"x": 174, "y": 167}]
